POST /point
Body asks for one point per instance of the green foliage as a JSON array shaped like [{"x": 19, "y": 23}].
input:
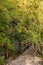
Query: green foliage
[
  {"x": 2, "y": 61},
  {"x": 20, "y": 18},
  {"x": 41, "y": 34},
  {"x": 4, "y": 15},
  {"x": 11, "y": 46}
]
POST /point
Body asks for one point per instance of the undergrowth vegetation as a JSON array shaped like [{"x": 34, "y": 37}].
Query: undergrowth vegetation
[{"x": 20, "y": 20}]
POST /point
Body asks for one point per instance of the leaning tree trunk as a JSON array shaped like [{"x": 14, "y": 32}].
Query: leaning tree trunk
[{"x": 6, "y": 50}]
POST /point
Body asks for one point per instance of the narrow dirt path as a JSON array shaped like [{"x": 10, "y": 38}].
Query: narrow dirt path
[{"x": 27, "y": 58}]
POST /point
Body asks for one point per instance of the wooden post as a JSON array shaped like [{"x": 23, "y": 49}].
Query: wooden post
[{"x": 6, "y": 50}]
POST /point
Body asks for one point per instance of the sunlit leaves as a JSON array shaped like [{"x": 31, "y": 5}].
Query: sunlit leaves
[
  {"x": 21, "y": 17},
  {"x": 4, "y": 15}
]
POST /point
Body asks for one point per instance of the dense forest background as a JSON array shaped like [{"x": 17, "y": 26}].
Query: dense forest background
[{"x": 21, "y": 20}]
